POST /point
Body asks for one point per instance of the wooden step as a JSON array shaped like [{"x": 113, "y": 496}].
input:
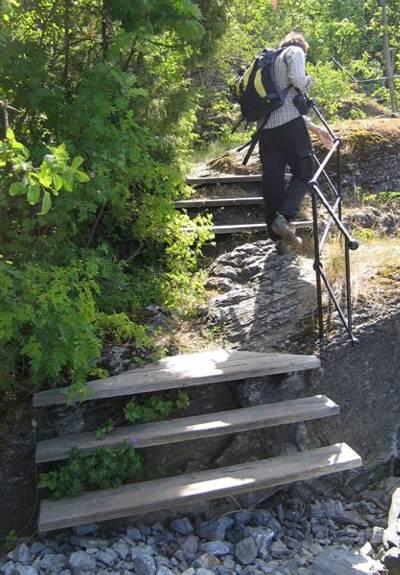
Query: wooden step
[
  {"x": 195, "y": 427},
  {"x": 184, "y": 371},
  {"x": 224, "y": 179},
  {"x": 240, "y": 228},
  {"x": 186, "y": 489},
  {"x": 219, "y": 202}
]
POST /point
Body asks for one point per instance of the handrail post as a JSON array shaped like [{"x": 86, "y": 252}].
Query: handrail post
[
  {"x": 317, "y": 264},
  {"x": 346, "y": 247}
]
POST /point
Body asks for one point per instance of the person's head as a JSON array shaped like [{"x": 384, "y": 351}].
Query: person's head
[{"x": 295, "y": 39}]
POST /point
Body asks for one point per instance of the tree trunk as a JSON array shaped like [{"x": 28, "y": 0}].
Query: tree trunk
[{"x": 386, "y": 57}]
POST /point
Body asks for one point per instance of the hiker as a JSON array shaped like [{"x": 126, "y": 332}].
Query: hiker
[{"x": 284, "y": 140}]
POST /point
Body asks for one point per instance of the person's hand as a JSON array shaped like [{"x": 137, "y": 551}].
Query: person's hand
[
  {"x": 325, "y": 138},
  {"x": 310, "y": 82}
]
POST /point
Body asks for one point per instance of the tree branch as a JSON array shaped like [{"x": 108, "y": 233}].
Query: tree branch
[
  {"x": 4, "y": 120},
  {"x": 67, "y": 46}
]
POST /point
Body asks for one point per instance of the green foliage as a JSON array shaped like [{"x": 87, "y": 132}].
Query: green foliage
[
  {"x": 154, "y": 407},
  {"x": 47, "y": 321},
  {"x": 331, "y": 86},
  {"x": 383, "y": 198},
  {"x": 105, "y": 429},
  {"x": 102, "y": 469},
  {"x": 9, "y": 541},
  {"x": 350, "y": 32},
  {"x": 107, "y": 85},
  {"x": 365, "y": 234},
  {"x": 52, "y": 176}
]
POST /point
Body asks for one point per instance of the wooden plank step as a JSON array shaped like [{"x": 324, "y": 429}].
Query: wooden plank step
[
  {"x": 195, "y": 427},
  {"x": 186, "y": 489},
  {"x": 240, "y": 228},
  {"x": 184, "y": 371},
  {"x": 224, "y": 179},
  {"x": 219, "y": 202}
]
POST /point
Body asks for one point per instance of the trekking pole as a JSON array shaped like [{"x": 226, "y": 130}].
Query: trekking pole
[{"x": 252, "y": 142}]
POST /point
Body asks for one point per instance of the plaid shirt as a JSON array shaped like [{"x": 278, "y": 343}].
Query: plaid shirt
[{"x": 290, "y": 70}]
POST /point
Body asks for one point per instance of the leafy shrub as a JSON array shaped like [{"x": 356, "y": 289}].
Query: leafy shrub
[
  {"x": 103, "y": 469},
  {"x": 86, "y": 244},
  {"x": 154, "y": 407},
  {"x": 382, "y": 198}
]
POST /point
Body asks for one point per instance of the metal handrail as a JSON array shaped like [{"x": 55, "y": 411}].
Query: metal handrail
[{"x": 335, "y": 217}]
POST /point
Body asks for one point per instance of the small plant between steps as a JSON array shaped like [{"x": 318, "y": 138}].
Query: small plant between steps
[
  {"x": 105, "y": 468},
  {"x": 154, "y": 407}
]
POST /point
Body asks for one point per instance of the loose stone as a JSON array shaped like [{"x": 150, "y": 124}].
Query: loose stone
[
  {"x": 189, "y": 546},
  {"x": 279, "y": 550},
  {"x": 25, "y": 570},
  {"x": 207, "y": 561},
  {"x": 134, "y": 534},
  {"x": 182, "y": 526},
  {"x": 87, "y": 529},
  {"x": 163, "y": 570},
  {"x": 22, "y": 554},
  {"x": 108, "y": 557},
  {"x": 246, "y": 551},
  {"x": 54, "y": 561},
  {"x": 81, "y": 561},
  {"x": 217, "y": 548},
  {"x": 144, "y": 564},
  {"x": 121, "y": 549}
]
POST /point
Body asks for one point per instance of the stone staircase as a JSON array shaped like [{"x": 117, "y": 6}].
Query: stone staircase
[{"x": 180, "y": 372}]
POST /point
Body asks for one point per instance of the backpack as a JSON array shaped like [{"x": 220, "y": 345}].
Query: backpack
[{"x": 255, "y": 88}]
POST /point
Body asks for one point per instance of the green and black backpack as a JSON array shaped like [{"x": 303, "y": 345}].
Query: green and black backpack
[{"x": 255, "y": 88}]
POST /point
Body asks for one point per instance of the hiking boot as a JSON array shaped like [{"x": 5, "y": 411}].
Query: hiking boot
[
  {"x": 283, "y": 228},
  {"x": 282, "y": 247}
]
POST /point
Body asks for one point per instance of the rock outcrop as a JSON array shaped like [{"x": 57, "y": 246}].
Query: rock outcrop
[{"x": 266, "y": 299}]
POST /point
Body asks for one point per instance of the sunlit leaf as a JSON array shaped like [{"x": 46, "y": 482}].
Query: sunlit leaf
[
  {"x": 33, "y": 194},
  {"x": 76, "y": 162},
  {"x": 57, "y": 183},
  {"x": 46, "y": 204},
  {"x": 45, "y": 177},
  {"x": 81, "y": 176}
]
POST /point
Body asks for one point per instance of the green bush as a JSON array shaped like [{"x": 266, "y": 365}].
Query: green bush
[
  {"x": 103, "y": 469},
  {"x": 87, "y": 243}
]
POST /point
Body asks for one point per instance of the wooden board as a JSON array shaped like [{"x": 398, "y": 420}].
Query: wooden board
[
  {"x": 240, "y": 228},
  {"x": 224, "y": 179},
  {"x": 195, "y": 427},
  {"x": 190, "y": 488},
  {"x": 185, "y": 371},
  {"x": 219, "y": 202}
]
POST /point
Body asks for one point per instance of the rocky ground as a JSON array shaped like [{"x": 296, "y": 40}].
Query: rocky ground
[{"x": 302, "y": 533}]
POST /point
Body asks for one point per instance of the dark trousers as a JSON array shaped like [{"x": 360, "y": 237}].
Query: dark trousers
[{"x": 286, "y": 145}]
